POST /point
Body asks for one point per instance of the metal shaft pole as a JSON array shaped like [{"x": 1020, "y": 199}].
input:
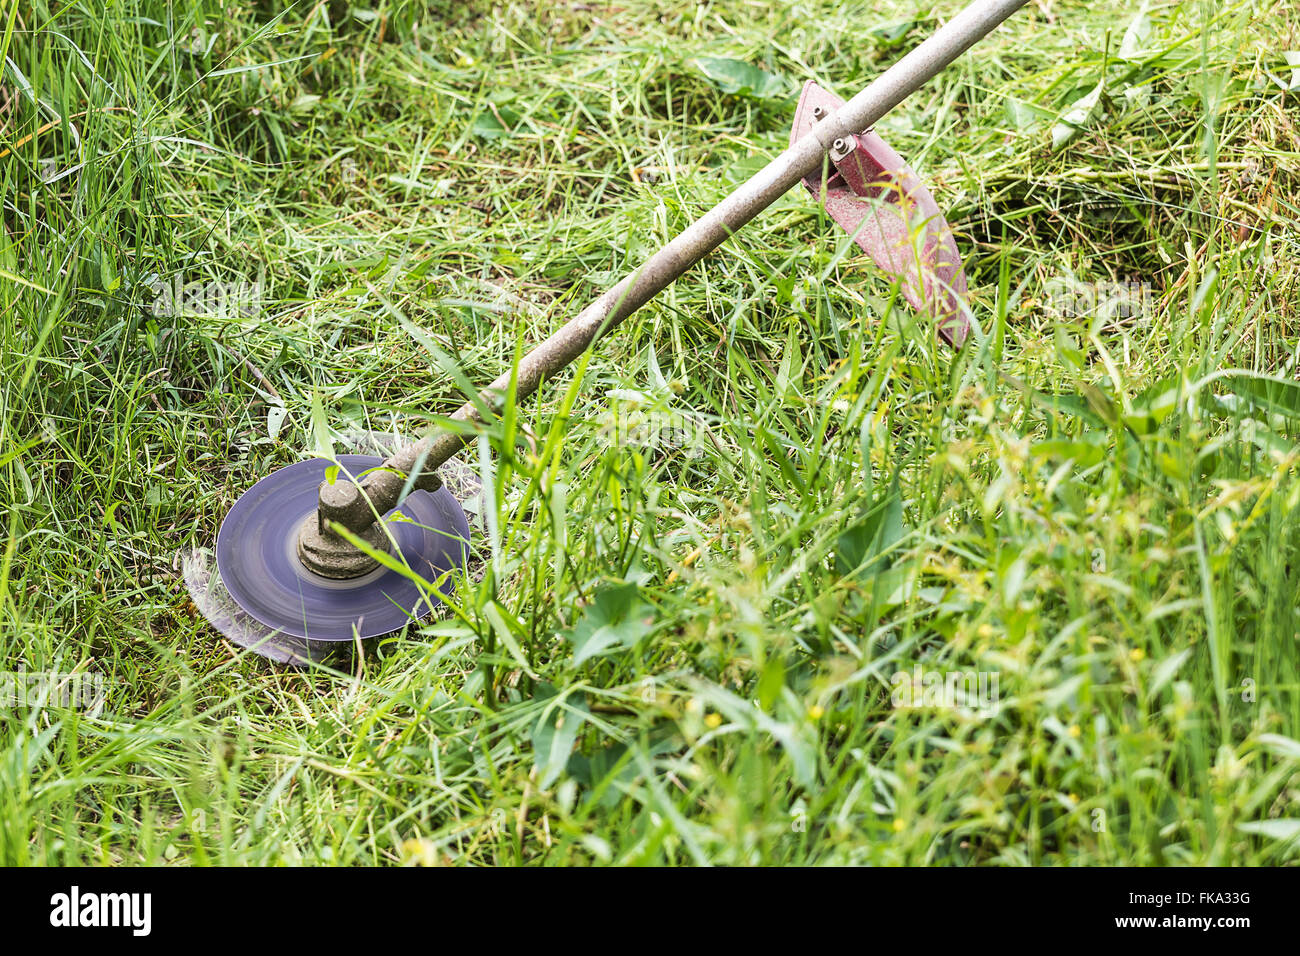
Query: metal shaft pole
[{"x": 802, "y": 159}]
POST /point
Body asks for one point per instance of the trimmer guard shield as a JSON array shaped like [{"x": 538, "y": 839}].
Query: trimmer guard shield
[{"x": 879, "y": 200}]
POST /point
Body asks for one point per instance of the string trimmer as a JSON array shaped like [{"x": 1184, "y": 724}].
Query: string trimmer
[{"x": 292, "y": 577}]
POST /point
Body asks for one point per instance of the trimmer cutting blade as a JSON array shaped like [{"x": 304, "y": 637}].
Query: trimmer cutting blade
[{"x": 301, "y": 613}]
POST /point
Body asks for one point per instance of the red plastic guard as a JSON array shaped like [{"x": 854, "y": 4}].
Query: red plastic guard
[{"x": 876, "y": 197}]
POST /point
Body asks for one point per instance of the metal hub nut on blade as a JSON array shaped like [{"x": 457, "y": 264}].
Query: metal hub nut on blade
[
  {"x": 334, "y": 557},
  {"x": 351, "y": 506}
]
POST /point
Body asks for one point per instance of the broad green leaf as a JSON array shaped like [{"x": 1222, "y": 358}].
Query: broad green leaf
[
  {"x": 275, "y": 415},
  {"x": 1067, "y": 348},
  {"x": 1085, "y": 451},
  {"x": 494, "y": 124},
  {"x": 1025, "y": 116},
  {"x": 1081, "y": 112},
  {"x": 617, "y": 618},
  {"x": 1138, "y": 95},
  {"x": 1154, "y": 405},
  {"x": 862, "y": 548},
  {"x": 770, "y": 683},
  {"x": 1101, "y": 403},
  {"x": 1173, "y": 466},
  {"x": 611, "y": 771},
  {"x": 1292, "y": 58},
  {"x": 1165, "y": 671},
  {"x": 1134, "y": 44},
  {"x": 1282, "y": 829},
  {"x": 741, "y": 79},
  {"x": 555, "y": 732},
  {"x": 892, "y": 34}
]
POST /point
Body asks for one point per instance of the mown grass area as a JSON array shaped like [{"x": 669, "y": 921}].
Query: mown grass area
[{"x": 682, "y": 650}]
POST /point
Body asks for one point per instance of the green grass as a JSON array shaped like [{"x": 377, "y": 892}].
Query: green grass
[{"x": 1100, "y": 510}]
